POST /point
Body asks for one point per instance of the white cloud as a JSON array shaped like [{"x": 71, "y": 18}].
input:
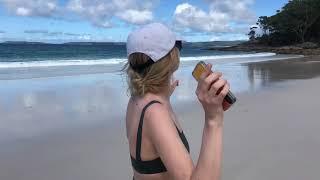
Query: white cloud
[
  {"x": 190, "y": 16},
  {"x": 31, "y": 7},
  {"x": 236, "y": 9},
  {"x": 136, "y": 17},
  {"x": 85, "y": 37},
  {"x": 223, "y": 16},
  {"x": 228, "y": 37},
  {"x": 23, "y": 11},
  {"x": 101, "y": 12},
  {"x": 98, "y": 12}
]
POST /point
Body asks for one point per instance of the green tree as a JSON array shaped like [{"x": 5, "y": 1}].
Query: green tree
[
  {"x": 302, "y": 15},
  {"x": 297, "y": 21},
  {"x": 251, "y": 35}
]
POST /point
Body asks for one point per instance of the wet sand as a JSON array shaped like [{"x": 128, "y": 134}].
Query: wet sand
[{"x": 73, "y": 127}]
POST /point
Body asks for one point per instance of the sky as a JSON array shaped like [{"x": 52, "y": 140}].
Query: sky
[{"x": 59, "y": 21}]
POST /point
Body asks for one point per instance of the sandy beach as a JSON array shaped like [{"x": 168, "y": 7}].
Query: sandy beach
[{"x": 72, "y": 127}]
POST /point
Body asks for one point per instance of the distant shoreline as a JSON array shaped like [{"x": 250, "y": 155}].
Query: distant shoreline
[
  {"x": 244, "y": 46},
  {"x": 207, "y": 43},
  {"x": 301, "y": 49}
]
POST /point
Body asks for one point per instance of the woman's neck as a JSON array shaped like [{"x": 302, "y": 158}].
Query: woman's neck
[{"x": 150, "y": 96}]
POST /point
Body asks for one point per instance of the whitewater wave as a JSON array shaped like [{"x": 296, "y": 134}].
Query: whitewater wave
[
  {"x": 115, "y": 61},
  {"x": 201, "y": 58},
  {"x": 57, "y": 63}
]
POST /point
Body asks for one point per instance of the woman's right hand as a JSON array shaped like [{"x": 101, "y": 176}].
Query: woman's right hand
[{"x": 211, "y": 92}]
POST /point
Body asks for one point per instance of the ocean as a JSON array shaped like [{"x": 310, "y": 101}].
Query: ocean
[
  {"x": 48, "y": 55},
  {"x": 26, "y": 60}
]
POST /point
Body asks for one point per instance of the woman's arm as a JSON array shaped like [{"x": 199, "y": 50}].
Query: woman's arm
[
  {"x": 209, "y": 161},
  {"x": 162, "y": 131},
  {"x": 211, "y": 91}
]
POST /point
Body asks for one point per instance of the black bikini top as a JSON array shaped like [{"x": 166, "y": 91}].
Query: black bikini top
[{"x": 156, "y": 165}]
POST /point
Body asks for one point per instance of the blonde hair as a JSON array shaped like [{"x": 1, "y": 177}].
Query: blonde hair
[{"x": 155, "y": 78}]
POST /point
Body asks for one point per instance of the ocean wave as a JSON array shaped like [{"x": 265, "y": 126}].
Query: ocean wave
[
  {"x": 115, "y": 61},
  {"x": 57, "y": 63},
  {"x": 200, "y": 58}
]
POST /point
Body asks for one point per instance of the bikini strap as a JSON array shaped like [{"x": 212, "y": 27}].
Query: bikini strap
[{"x": 139, "y": 133}]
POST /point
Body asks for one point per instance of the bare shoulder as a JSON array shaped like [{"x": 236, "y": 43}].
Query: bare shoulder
[
  {"x": 159, "y": 124},
  {"x": 158, "y": 116}
]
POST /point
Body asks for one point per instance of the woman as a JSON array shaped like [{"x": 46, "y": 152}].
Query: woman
[{"x": 158, "y": 147}]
